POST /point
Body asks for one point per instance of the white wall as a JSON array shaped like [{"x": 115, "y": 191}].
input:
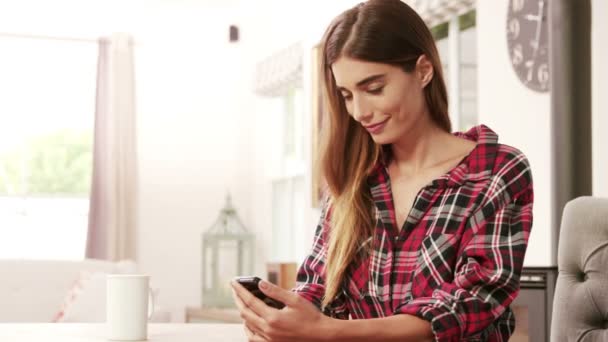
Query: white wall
[
  {"x": 192, "y": 135},
  {"x": 69, "y": 18},
  {"x": 520, "y": 116},
  {"x": 599, "y": 71}
]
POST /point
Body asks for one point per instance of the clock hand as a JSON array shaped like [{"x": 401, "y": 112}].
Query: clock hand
[
  {"x": 539, "y": 26},
  {"x": 530, "y": 64},
  {"x": 532, "y": 17}
]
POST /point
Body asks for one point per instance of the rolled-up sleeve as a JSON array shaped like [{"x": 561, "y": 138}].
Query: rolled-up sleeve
[
  {"x": 310, "y": 282},
  {"x": 490, "y": 259}
]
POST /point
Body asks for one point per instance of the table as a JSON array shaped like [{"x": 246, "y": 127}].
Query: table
[
  {"x": 212, "y": 315},
  {"x": 96, "y": 332}
]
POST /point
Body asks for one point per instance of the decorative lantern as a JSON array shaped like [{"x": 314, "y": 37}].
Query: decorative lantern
[{"x": 227, "y": 252}]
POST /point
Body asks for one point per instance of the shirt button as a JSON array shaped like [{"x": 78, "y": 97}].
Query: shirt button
[{"x": 396, "y": 238}]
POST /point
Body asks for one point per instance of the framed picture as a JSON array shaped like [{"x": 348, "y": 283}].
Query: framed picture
[{"x": 318, "y": 112}]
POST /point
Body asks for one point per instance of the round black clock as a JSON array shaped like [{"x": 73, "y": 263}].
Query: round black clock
[{"x": 528, "y": 43}]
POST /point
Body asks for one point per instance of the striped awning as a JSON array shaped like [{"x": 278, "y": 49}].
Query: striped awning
[
  {"x": 275, "y": 75},
  {"x": 435, "y": 12}
]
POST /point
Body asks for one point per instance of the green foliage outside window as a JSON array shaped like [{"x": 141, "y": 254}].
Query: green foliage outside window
[
  {"x": 465, "y": 21},
  {"x": 59, "y": 163}
]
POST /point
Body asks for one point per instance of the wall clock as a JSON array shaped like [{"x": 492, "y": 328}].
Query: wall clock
[{"x": 527, "y": 42}]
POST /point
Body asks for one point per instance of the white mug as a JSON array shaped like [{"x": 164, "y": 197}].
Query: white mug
[{"x": 127, "y": 309}]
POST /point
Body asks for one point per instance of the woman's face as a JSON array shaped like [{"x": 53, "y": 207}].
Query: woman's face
[{"x": 384, "y": 99}]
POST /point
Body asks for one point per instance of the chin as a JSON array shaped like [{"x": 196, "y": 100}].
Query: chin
[{"x": 381, "y": 139}]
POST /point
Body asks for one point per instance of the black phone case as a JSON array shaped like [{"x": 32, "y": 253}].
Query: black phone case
[{"x": 251, "y": 284}]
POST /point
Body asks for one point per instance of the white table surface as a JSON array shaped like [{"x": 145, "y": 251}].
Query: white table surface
[{"x": 96, "y": 332}]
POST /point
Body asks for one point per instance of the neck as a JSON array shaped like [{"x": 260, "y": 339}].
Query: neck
[{"x": 418, "y": 149}]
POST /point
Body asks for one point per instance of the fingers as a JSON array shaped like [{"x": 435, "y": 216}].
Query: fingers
[
  {"x": 261, "y": 320},
  {"x": 252, "y": 336},
  {"x": 251, "y": 301},
  {"x": 237, "y": 300},
  {"x": 254, "y": 323},
  {"x": 247, "y": 314},
  {"x": 287, "y": 297},
  {"x": 248, "y": 332}
]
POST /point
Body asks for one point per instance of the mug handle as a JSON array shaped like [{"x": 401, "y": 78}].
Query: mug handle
[{"x": 151, "y": 301}]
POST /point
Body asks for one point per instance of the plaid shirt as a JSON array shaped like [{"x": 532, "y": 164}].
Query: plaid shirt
[{"x": 457, "y": 260}]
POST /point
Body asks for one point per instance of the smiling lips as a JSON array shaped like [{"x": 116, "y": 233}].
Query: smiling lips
[{"x": 376, "y": 128}]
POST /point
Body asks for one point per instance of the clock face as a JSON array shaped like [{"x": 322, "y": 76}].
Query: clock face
[{"x": 528, "y": 43}]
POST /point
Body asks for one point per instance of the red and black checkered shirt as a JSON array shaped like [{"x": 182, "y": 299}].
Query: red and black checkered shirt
[{"x": 457, "y": 260}]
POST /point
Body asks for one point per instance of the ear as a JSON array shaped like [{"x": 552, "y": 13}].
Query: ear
[{"x": 424, "y": 70}]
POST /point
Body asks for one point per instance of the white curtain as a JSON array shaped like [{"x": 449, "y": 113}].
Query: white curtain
[{"x": 112, "y": 215}]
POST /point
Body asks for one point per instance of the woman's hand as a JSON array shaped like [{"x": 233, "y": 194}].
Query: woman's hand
[{"x": 299, "y": 320}]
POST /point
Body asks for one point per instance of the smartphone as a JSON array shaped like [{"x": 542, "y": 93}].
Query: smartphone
[{"x": 251, "y": 284}]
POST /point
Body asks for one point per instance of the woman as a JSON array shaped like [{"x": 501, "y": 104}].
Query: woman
[{"x": 424, "y": 232}]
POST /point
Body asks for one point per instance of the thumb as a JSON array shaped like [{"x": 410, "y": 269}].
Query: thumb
[{"x": 271, "y": 290}]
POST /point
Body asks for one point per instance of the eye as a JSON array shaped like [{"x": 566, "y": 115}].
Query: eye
[
  {"x": 376, "y": 90},
  {"x": 346, "y": 97}
]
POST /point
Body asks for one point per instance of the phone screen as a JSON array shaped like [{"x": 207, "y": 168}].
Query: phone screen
[{"x": 251, "y": 284}]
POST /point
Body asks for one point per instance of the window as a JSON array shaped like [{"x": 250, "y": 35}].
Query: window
[
  {"x": 461, "y": 51},
  {"x": 287, "y": 216},
  {"x": 280, "y": 78},
  {"x": 288, "y": 194},
  {"x": 293, "y": 152},
  {"x": 46, "y": 137}
]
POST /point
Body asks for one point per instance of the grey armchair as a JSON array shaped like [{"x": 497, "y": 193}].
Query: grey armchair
[{"x": 580, "y": 305}]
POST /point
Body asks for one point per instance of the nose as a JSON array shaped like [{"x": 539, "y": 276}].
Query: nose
[{"x": 361, "y": 111}]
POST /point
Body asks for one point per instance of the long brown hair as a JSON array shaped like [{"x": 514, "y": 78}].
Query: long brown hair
[{"x": 383, "y": 31}]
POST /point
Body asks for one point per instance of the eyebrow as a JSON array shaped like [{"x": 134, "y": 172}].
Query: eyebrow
[{"x": 365, "y": 81}]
